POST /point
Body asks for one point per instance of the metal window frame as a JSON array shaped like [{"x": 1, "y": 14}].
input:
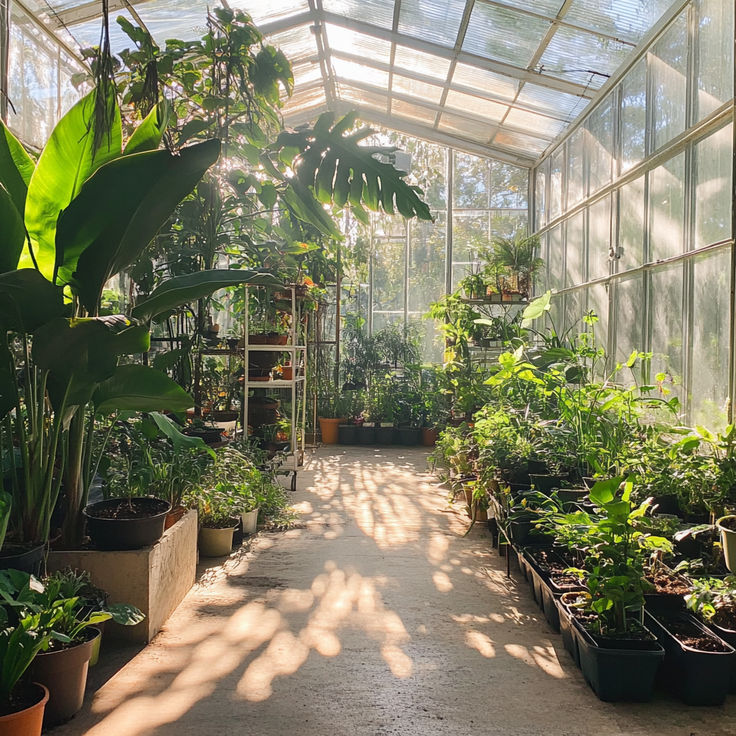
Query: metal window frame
[{"x": 684, "y": 143}]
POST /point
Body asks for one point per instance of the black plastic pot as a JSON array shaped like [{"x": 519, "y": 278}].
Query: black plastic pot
[
  {"x": 347, "y": 434},
  {"x": 366, "y": 435},
  {"x": 25, "y": 560},
  {"x": 546, "y": 483},
  {"x": 697, "y": 677},
  {"x": 729, "y": 636},
  {"x": 570, "y": 497},
  {"x": 667, "y": 504},
  {"x": 538, "y": 467},
  {"x": 618, "y": 674},
  {"x": 409, "y": 436},
  {"x": 144, "y": 531},
  {"x": 385, "y": 435},
  {"x": 569, "y": 640}
]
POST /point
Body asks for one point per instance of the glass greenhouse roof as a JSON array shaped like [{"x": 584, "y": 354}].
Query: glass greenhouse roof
[{"x": 499, "y": 77}]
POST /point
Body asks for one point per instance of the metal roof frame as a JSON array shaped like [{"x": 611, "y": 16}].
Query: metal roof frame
[{"x": 520, "y": 151}]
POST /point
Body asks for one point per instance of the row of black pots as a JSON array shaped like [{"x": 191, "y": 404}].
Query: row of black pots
[
  {"x": 628, "y": 671},
  {"x": 354, "y": 434}
]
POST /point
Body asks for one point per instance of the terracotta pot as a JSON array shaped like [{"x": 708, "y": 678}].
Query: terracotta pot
[
  {"x": 64, "y": 673},
  {"x": 287, "y": 373},
  {"x": 267, "y": 339},
  {"x": 328, "y": 428},
  {"x": 173, "y": 516},
  {"x": 27, "y": 722},
  {"x": 216, "y": 542},
  {"x": 429, "y": 436}
]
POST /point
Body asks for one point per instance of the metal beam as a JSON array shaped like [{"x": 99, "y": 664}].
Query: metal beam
[
  {"x": 499, "y": 67},
  {"x": 89, "y": 11},
  {"x": 410, "y": 74},
  {"x": 437, "y": 136},
  {"x": 556, "y": 20}
]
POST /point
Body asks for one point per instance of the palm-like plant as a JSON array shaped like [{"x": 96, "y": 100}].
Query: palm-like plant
[{"x": 518, "y": 257}]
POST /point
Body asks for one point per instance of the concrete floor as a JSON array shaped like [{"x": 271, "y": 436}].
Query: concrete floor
[{"x": 375, "y": 617}]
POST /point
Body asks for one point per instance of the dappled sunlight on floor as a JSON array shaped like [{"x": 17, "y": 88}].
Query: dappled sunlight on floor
[{"x": 374, "y": 615}]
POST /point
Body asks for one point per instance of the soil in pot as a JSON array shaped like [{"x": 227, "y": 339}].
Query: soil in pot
[
  {"x": 25, "y": 715},
  {"x": 698, "y": 664},
  {"x": 670, "y": 588},
  {"x": 63, "y": 671},
  {"x": 126, "y": 523}
]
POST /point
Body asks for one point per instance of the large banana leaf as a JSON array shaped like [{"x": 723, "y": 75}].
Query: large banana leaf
[
  {"x": 140, "y": 388},
  {"x": 81, "y": 353},
  {"x": 68, "y": 159},
  {"x": 180, "y": 441},
  {"x": 119, "y": 210},
  {"x": 339, "y": 170},
  {"x": 147, "y": 136},
  {"x": 16, "y": 168},
  {"x": 14, "y": 232},
  {"x": 28, "y": 300},
  {"x": 184, "y": 289}
]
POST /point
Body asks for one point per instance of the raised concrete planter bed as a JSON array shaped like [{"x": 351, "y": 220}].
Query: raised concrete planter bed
[{"x": 155, "y": 579}]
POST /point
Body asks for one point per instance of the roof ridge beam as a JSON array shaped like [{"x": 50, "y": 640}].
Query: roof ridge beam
[{"x": 500, "y": 67}]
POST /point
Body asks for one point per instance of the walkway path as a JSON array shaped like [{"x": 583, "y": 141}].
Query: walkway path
[{"x": 376, "y": 617}]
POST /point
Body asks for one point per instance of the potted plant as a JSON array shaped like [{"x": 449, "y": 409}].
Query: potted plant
[
  {"x": 380, "y": 407},
  {"x": 619, "y": 656},
  {"x": 347, "y": 431},
  {"x": 62, "y": 664},
  {"x": 714, "y": 602},
  {"x": 727, "y": 527},
  {"x": 132, "y": 522},
  {"x": 332, "y": 409},
  {"x": 23, "y": 633},
  {"x": 219, "y": 516}
]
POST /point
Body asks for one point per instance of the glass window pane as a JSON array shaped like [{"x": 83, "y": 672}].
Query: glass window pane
[
  {"x": 469, "y": 235},
  {"x": 508, "y": 223},
  {"x": 666, "y": 307},
  {"x": 668, "y": 64},
  {"x": 598, "y": 304},
  {"x": 388, "y": 276},
  {"x": 471, "y": 181},
  {"x": 713, "y": 187},
  {"x": 600, "y": 145},
  {"x": 555, "y": 259},
  {"x": 629, "y": 300},
  {"x": 631, "y": 225},
  {"x": 509, "y": 185},
  {"x": 666, "y": 209},
  {"x": 715, "y": 55},
  {"x": 633, "y": 115},
  {"x": 575, "y": 251},
  {"x": 540, "y": 197},
  {"x": 576, "y": 167},
  {"x": 426, "y": 263},
  {"x": 599, "y": 238},
  {"x": 555, "y": 184},
  {"x": 432, "y": 20},
  {"x": 576, "y": 303},
  {"x": 710, "y": 341}
]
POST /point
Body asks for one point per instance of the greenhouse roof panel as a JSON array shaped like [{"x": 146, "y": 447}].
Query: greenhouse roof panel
[{"x": 497, "y": 77}]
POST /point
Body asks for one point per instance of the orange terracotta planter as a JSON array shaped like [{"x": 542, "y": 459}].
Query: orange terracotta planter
[
  {"x": 429, "y": 436},
  {"x": 328, "y": 428},
  {"x": 26, "y": 722}
]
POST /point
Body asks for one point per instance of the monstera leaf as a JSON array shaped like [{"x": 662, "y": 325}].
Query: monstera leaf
[{"x": 333, "y": 169}]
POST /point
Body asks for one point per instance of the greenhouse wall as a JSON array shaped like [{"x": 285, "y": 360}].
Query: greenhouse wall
[
  {"x": 634, "y": 210},
  {"x": 415, "y": 263}
]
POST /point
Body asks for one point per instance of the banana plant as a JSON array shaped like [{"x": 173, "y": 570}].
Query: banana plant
[{"x": 86, "y": 213}]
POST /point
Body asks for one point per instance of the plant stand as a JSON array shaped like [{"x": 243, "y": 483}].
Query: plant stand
[{"x": 294, "y": 458}]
